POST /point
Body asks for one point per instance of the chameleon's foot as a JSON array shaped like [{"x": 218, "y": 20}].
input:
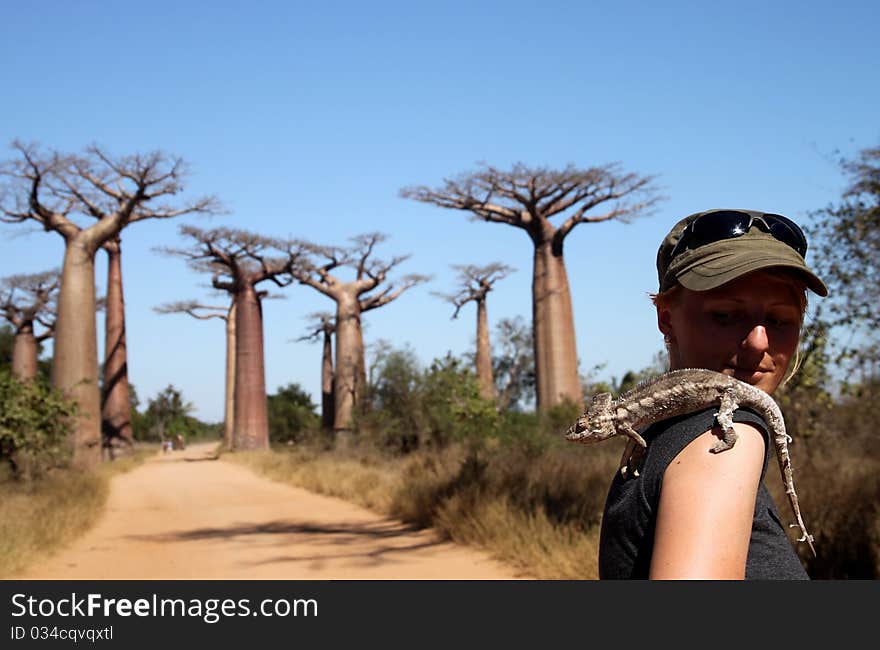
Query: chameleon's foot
[
  {"x": 728, "y": 434},
  {"x": 724, "y": 418},
  {"x": 633, "y": 435},
  {"x": 724, "y": 444},
  {"x": 632, "y": 459},
  {"x": 806, "y": 537}
]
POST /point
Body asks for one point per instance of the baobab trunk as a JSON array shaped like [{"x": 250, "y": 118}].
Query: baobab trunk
[
  {"x": 555, "y": 351},
  {"x": 229, "y": 413},
  {"x": 327, "y": 406},
  {"x": 349, "y": 362},
  {"x": 75, "y": 359},
  {"x": 116, "y": 407},
  {"x": 360, "y": 384},
  {"x": 24, "y": 354},
  {"x": 484, "y": 355},
  {"x": 251, "y": 416}
]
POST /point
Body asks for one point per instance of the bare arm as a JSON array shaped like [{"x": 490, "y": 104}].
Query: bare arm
[{"x": 707, "y": 503}]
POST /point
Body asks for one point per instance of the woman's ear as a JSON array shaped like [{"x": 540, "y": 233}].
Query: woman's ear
[{"x": 664, "y": 322}]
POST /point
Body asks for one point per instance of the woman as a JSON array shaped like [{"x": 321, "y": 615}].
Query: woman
[{"x": 732, "y": 299}]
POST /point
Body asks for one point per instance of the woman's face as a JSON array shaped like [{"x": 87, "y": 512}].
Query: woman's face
[{"x": 747, "y": 328}]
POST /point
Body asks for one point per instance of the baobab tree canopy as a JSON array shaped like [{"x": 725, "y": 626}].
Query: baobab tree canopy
[
  {"x": 54, "y": 189},
  {"x": 237, "y": 256},
  {"x": 370, "y": 273},
  {"x": 474, "y": 283},
  {"x": 57, "y": 190},
  {"x": 194, "y": 309},
  {"x": 529, "y": 197},
  {"x": 547, "y": 204},
  {"x": 321, "y": 323}
]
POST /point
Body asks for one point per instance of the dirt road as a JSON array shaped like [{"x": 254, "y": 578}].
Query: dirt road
[{"x": 184, "y": 515}]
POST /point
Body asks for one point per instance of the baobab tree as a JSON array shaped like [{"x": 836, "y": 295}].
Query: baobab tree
[
  {"x": 239, "y": 261},
  {"x": 226, "y": 314},
  {"x": 323, "y": 327},
  {"x": 26, "y": 301},
  {"x": 115, "y": 191},
  {"x": 352, "y": 298},
  {"x": 475, "y": 282},
  {"x": 115, "y": 400},
  {"x": 528, "y": 198}
]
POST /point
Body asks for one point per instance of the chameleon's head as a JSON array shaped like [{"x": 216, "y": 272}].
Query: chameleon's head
[{"x": 597, "y": 422}]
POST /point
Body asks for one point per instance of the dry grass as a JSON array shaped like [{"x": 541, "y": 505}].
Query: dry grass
[
  {"x": 368, "y": 484},
  {"x": 539, "y": 509},
  {"x": 39, "y": 517},
  {"x": 528, "y": 541},
  {"x": 838, "y": 489},
  {"x": 538, "y": 512}
]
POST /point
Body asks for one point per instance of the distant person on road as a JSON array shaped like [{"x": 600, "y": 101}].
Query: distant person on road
[{"x": 732, "y": 297}]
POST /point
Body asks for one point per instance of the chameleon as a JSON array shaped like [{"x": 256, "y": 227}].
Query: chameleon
[{"x": 679, "y": 392}]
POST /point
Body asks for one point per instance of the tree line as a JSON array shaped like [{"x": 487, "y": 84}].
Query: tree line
[{"x": 60, "y": 191}]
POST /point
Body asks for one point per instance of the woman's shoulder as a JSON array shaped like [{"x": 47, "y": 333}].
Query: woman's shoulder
[
  {"x": 706, "y": 507},
  {"x": 669, "y": 438}
]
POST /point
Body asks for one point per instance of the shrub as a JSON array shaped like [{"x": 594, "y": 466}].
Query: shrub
[
  {"x": 34, "y": 425},
  {"x": 291, "y": 415},
  {"x": 409, "y": 408},
  {"x": 454, "y": 409},
  {"x": 168, "y": 415}
]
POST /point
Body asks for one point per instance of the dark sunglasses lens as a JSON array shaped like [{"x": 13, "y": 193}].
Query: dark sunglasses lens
[
  {"x": 787, "y": 231},
  {"x": 715, "y": 226},
  {"x": 711, "y": 227},
  {"x": 728, "y": 224}
]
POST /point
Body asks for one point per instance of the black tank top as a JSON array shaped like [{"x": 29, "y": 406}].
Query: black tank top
[{"x": 627, "y": 535}]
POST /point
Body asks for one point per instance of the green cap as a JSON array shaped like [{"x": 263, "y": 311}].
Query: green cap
[{"x": 717, "y": 263}]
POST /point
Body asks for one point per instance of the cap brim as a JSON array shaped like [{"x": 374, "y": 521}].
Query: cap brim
[{"x": 713, "y": 270}]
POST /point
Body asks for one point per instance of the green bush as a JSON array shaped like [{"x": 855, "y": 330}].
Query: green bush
[
  {"x": 408, "y": 408},
  {"x": 35, "y": 420},
  {"x": 291, "y": 415},
  {"x": 167, "y": 415},
  {"x": 453, "y": 407}
]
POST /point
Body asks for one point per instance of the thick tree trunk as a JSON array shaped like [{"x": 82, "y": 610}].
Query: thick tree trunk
[
  {"x": 75, "y": 359},
  {"x": 116, "y": 406},
  {"x": 555, "y": 351},
  {"x": 350, "y": 367},
  {"x": 24, "y": 354},
  {"x": 251, "y": 416},
  {"x": 327, "y": 404},
  {"x": 484, "y": 353},
  {"x": 360, "y": 385},
  {"x": 229, "y": 413}
]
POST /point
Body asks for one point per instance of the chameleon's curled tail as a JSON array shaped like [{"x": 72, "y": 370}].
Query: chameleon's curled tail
[{"x": 787, "y": 478}]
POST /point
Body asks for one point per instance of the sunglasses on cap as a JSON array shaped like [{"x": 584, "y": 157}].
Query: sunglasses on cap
[{"x": 729, "y": 224}]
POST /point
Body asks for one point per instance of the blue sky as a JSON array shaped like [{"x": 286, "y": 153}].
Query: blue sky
[{"x": 306, "y": 119}]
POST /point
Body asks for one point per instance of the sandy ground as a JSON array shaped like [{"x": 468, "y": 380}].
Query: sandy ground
[{"x": 185, "y": 515}]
